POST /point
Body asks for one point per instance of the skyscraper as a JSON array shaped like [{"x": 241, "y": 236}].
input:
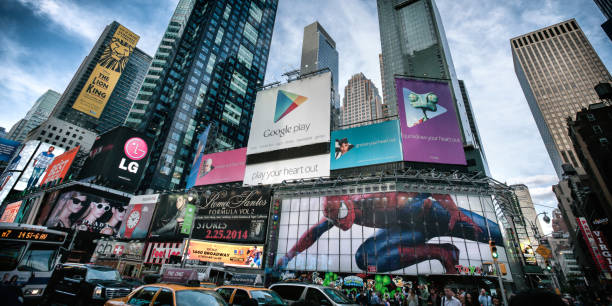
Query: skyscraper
[
  {"x": 606, "y": 8},
  {"x": 39, "y": 112},
  {"x": 164, "y": 52},
  {"x": 318, "y": 52},
  {"x": 474, "y": 154},
  {"x": 530, "y": 240},
  {"x": 209, "y": 79},
  {"x": 382, "y": 78},
  {"x": 557, "y": 68},
  {"x": 362, "y": 104},
  {"x": 414, "y": 45}
]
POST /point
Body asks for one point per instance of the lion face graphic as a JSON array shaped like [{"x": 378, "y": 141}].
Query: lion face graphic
[{"x": 115, "y": 55}]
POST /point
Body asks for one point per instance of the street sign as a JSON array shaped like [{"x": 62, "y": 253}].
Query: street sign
[{"x": 544, "y": 251}]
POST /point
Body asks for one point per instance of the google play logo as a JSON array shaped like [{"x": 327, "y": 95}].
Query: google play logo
[{"x": 287, "y": 102}]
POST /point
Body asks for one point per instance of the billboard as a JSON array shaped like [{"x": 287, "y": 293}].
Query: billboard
[
  {"x": 233, "y": 215},
  {"x": 120, "y": 157},
  {"x": 102, "y": 80},
  {"x": 275, "y": 172},
  {"x": 235, "y": 255},
  {"x": 366, "y": 145},
  {"x": 10, "y": 212},
  {"x": 428, "y": 122},
  {"x": 219, "y": 167},
  {"x": 194, "y": 173},
  {"x": 136, "y": 221},
  {"x": 60, "y": 166},
  {"x": 87, "y": 212},
  {"x": 169, "y": 216},
  {"x": 37, "y": 167},
  {"x": 403, "y": 233},
  {"x": 7, "y": 181},
  {"x": 20, "y": 160},
  {"x": 46, "y": 206},
  {"x": 594, "y": 240},
  {"x": 7, "y": 149},
  {"x": 291, "y": 115}
]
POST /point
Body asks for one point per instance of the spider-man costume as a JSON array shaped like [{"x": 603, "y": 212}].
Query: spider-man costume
[{"x": 408, "y": 220}]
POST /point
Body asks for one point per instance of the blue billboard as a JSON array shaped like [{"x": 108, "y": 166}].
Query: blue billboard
[
  {"x": 7, "y": 148},
  {"x": 366, "y": 145}
]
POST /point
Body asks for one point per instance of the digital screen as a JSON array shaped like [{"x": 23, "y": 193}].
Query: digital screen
[{"x": 31, "y": 235}]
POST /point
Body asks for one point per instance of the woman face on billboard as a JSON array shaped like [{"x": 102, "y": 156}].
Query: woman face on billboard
[
  {"x": 75, "y": 203},
  {"x": 180, "y": 202},
  {"x": 71, "y": 204},
  {"x": 99, "y": 208}
]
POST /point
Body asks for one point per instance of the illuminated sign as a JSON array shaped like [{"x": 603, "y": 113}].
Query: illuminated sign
[
  {"x": 238, "y": 255},
  {"x": 15, "y": 234}
]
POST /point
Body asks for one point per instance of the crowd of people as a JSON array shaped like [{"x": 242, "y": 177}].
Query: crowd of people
[{"x": 422, "y": 296}]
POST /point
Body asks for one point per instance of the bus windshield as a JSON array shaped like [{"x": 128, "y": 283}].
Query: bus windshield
[
  {"x": 9, "y": 254},
  {"x": 38, "y": 258}
]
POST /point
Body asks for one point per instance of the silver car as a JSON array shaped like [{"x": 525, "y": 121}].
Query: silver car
[{"x": 311, "y": 294}]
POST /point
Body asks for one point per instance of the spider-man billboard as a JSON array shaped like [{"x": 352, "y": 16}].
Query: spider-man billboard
[
  {"x": 428, "y": 122},
  {"x": 405, "y": 233}
]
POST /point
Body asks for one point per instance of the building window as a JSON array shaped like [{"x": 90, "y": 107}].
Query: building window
[
  {"x": 250, "y": 33},
  {"x": 239, "y": 83},
  {"x": 255, "y": 12},
  {"x": 597, "y": 129},
  {"x": 245, "y": 56},
  {"x": 211, "y": 63},
  {"x": 219, "y": 37}
]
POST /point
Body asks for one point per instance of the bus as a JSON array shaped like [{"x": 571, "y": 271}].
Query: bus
[{"x": 28, "y": 255}]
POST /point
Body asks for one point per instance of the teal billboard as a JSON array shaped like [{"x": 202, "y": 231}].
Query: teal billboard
[{"x": 366, "y": 145}]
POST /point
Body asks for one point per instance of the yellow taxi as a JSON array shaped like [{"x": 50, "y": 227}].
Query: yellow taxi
[
  {"x": 238, "y": 295},
  {"x": 169, "y": 295}
]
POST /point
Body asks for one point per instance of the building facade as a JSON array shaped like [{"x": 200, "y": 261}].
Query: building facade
[
  {"x": 164, "y": 52},
  {"x": 211, "y": 79},
  {"x": 606, "y": 9},
  {"x": 361, "y": 105},
  {"x": 474, "y": 153},
  {"x": 557, "y": 68},
  {"x": 63, "y": 134},
  {"x": 39, "y": 112},
  {"x": 319, "y": 52},
  {"x": 529, "y": 245}
]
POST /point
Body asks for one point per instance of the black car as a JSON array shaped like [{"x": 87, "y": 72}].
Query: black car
[{"x": 84, "y": 284}]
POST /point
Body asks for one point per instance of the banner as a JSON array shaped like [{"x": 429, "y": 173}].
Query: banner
[
  {"x": 87, "y": 212},
  {"x": 219, "y": 167},
  {"x": 37, "y": 167},
  {"x": 236, "y": 255},
  {"x": 7, "y": 149},
  {"x": 366, "y": 145},
  {"x": 136, "y": 221},
  {"x": 275, "y": 172},
  {"x": 20, "y": 160},
  {"x": 594, "y": 242},
  {"x": 104, "y": 77},
  {"x": 194, "y": 173},
  {"x": 236, "y": 215},
  {"x": 10, "y": 212},
  {"x": 60, "y": 166},
  {"x": 7, "y": 181},
  {"x": 428, "y": 122}
]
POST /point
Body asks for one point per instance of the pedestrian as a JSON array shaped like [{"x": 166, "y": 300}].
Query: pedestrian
[
  {"x": 433, "y": 297},
  {"x": 412, "y": 299},
  {"x": 424, "y": 296},
  {"x": 362, "y": 298},
  {"x": 449, "y": 298},
  {"x": 484, "y": 299},
  {"x": 375, "y": 300}
]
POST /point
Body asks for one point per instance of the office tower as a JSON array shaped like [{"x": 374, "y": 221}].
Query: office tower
[
  {"x": 39, "y": 112},
  {"x": 414, "y": 45},
  {"x": 211, "y": 79},
  {"x": 318, "y": 52},
  {"x": 98, "y": 96},
  {"x": 164, "y": 53},
  {"x": 557, "y": 68},
  {"x": 530, "y": 241},
  {"x": 382, "y": 78},
  {"x": 474, "y": 154},
  {"x": 361, "y": 103},
  {"x": 606, "y": 8}
]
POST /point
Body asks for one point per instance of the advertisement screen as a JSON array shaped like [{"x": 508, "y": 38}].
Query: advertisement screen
[
  {"x": 10, "y": 212},
  {"x": 194, "y": 173},
  {"x": 236, "y": 255},
  {"x": 37, "y": 167},
  {"x": 236, "y": 215},
  {"x": 169, "y": 216},
  {"x": 366, "y": 145},
  {"x": 404, "y": 233},
  {"x": 291, "y": 115},
  {"x": 104, "y": 77},
  {"x": 60, "y": 166},
  {"x": 428, "y": 122},
  {"x": 46, "y": 207},
  {"x": 7, "y": 149},
  {"x": 275, "y": 172},
  {"x": 220, "y": 167},
  {"x": 87, "y": 212},
  {"x": 136, "y": 221},
  {"x": 20, "y": 160},
  {"x": 7, "y": 181}
]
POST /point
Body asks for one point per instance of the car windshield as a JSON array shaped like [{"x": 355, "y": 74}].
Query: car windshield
[
  {"x": 105, "y": 274},
  {"x": 198, "y": 297},
  {"x": 38, "y": 258},
  {"x": 337, "y": 296},
  {"x": 267, "y": 297},
  {"x": 9, "y": 254}
]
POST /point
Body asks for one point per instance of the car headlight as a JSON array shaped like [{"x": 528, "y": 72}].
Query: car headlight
[
  {"x": 33, "y": 291},
  {"x": 97, "y": 293}
]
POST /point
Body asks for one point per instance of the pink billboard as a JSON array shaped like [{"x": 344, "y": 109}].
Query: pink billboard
[{"x": 220, "y": 167}]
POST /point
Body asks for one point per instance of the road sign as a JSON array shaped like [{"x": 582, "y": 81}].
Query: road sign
[{"x": 544, "y": 251}]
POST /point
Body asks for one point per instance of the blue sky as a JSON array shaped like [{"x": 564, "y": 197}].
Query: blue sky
[{"x": 42, "y": 43}]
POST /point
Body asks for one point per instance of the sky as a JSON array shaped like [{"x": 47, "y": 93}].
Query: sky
[{"x": 42, "y": 43}]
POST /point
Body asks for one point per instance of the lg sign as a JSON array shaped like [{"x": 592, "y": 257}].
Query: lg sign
[{"x": 135, "y": 149}]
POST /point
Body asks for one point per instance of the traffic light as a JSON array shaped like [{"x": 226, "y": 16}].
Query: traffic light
[
  {"x": 493, "y": 248},
  {"x": 548, "y": 266}
]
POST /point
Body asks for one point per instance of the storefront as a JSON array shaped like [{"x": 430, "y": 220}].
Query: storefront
[
  {"x": 125, "y": 257},
  {"x": 158, "y": 253}
]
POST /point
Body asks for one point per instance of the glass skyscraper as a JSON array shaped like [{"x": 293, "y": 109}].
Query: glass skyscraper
[
  {"x": 39, "y": 112},
  {"x": 414, "y": 45},
  {"x": 210, "y": 79}
]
